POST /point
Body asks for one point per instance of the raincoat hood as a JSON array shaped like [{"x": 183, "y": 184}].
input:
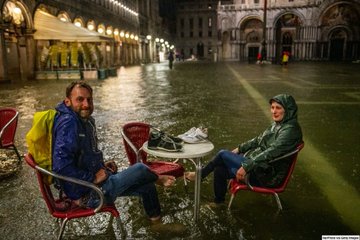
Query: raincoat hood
[{"x": 289, "y": 104}]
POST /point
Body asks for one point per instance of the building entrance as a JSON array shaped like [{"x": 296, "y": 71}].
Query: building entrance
[{"x": 253, "y": 52}]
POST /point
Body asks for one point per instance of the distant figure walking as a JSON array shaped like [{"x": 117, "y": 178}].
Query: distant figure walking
[
  {"x": 285, "y": 58},
  {"x": 259, "y": 58},
  {"x": 171, "y": 59}
]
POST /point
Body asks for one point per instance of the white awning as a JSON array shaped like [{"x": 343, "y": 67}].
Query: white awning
[{"x": 49, "y": 27}]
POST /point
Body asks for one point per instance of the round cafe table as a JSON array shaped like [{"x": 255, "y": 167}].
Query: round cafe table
[{"x": 193, "y": 152}]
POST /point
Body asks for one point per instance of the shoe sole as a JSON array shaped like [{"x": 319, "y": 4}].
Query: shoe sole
[
  {"x": 164, "y": 149},
  {"x": 198, "y": 139}
]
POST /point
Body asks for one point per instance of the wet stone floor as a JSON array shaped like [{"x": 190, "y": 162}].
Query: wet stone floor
[{"x": 231, "y": 100}]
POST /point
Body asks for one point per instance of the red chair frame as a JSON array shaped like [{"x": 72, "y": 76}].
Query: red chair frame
[
  {"x": 56, "y": 205},
  {"x": 235, "y": 186},
  {"x": 8, "y": 125},
  {"x": 135, "y": 134}
]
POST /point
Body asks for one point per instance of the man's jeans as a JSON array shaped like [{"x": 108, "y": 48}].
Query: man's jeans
[
  {"x": 136, "y": 180},
  {"x": 224, "y": 165}
]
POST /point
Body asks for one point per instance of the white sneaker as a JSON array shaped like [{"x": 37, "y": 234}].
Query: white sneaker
[
  {"x": 198, "y": 136},
  {"x": 189, "y": 132}
]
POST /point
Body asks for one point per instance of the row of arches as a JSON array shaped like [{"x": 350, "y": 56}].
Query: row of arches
[
  {"x": 23, "y": 50},
  {"x": 332, "y": 34}
]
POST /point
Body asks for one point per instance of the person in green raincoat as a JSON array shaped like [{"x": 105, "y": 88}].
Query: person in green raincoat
[{"x": 254, "y": 155}]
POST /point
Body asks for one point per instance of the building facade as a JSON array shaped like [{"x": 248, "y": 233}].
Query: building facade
[
  {"x": 196, "y": 28},
  {"x": 307, "y": 29},
  {"x": 63, "y": 39}
]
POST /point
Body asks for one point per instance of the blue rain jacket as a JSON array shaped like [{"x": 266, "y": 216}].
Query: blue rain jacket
[{"x": 75, "y": 150}]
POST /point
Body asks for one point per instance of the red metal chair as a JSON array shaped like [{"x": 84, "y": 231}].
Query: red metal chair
[
  {"x": 8, "y": 125},
  {"x": 62, "y": 207},
  {"x": 236, "y": 186},
  {"x": 135, "y": 134}
]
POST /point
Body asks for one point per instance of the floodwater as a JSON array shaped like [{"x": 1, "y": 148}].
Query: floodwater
[{"x": 231, "y": 100}]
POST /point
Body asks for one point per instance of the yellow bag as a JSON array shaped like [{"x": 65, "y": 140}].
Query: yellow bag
[{"x": 39, "y": 139}]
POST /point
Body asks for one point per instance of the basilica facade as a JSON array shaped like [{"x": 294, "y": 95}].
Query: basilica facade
[{"x": 306, "y": 29}]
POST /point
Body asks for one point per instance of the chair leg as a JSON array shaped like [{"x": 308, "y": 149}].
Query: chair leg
[
  {"x": 231, "y": 200},
  {"x": 185, "y": 181},
  {"x": 62, "y": 228},
  {"x": 120, "y": 227},
  {"x": 17, "y": 153},
  {"x": 278, "y": 201}
]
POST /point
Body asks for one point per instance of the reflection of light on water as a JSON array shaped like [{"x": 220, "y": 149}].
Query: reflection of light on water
[
  {"x": 322, "y": 172},
  {"x": 123, "y": 92},
  {"x": 26, "y": 102}
]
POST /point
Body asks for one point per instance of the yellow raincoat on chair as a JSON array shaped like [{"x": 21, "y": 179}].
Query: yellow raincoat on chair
[{"x": 39, "y": 139}]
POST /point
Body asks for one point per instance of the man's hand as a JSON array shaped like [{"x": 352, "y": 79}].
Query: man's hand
[
  {"x": 236, "y": 151},
  {"x": 240, "y": 174},
  {"x": 100, "y": 176},
  {"x": 111, "y": 166}
]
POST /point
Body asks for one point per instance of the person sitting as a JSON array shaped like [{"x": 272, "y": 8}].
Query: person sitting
[
  {"x": 281, "y": 137},
  {"x": 75, "y": 154}
]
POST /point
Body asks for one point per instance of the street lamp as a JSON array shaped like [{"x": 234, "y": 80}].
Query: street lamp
[{"x": 263, "y": 51}]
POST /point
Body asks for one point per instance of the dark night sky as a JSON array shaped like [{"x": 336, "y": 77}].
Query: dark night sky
[{"x": 167, "y": 9}]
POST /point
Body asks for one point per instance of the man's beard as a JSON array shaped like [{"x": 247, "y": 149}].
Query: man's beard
[{"x": 85, "y": 113}]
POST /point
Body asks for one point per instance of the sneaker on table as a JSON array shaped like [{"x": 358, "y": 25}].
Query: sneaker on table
[
  {"x": 160, "y": 141},
  {"x": 196, "y": 136},
  {"x": 189, "y": 132}
]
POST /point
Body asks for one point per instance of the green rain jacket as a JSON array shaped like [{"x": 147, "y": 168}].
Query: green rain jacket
[{"x": 278, "y": 139}]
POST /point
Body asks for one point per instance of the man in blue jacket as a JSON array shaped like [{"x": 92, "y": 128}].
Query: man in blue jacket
[{"x": 76, "y": 154}]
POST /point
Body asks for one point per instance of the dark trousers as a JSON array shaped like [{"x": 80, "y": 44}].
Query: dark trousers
[{"x": 224, "y": 165}]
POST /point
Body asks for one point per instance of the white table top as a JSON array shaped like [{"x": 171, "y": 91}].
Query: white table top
[{"x": 190, "y": 150}]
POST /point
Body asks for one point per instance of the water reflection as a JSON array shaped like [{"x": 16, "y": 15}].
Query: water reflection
[{"x": 205, "y": 94}]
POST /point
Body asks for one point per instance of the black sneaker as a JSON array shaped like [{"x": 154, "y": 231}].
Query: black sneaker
[
  {"x": 175, "y": 139},
  {"x": 160, "y": 141}
]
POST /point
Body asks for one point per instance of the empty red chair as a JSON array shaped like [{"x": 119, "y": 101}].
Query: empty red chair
[
  {"x": 62, "y": 207},
  {"x": 236, "y": 186},
  {"x": 135, "y": 134},
  {"x": 8, "y": 125}
]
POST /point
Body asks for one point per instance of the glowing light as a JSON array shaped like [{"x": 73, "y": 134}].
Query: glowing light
[{"x": 17, "y": 10}]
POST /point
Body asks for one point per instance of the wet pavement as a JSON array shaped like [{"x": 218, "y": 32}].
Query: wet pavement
[{"x": 231, "y": 100}]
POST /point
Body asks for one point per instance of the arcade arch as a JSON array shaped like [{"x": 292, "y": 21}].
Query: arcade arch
[
  {"x": 286, "y": 33},
  {"x": 16, "y": 35},
  {"x": 339, "y": 26},
  {"x": 251, "y": 33}
]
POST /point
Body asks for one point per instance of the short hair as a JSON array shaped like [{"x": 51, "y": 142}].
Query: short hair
[{"x": 81, "y": 84}]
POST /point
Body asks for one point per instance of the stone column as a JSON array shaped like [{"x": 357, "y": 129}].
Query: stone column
[
  {"x": 3, "y": 62},
  {"x": 30, "y": 54}
]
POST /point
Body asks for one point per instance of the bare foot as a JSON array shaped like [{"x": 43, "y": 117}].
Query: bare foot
[
  {"x": 166, "y": 180},
  {"x": 155, "y": 219},
  {"x": 190, "y": 176}
]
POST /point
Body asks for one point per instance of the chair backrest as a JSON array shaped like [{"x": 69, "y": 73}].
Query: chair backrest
[
  {"x": 293, "y": 160},
  {"x": 137, "y": 133},
  {"x": 45, "y": 187},
  {"x": 8, "y": 125}
]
